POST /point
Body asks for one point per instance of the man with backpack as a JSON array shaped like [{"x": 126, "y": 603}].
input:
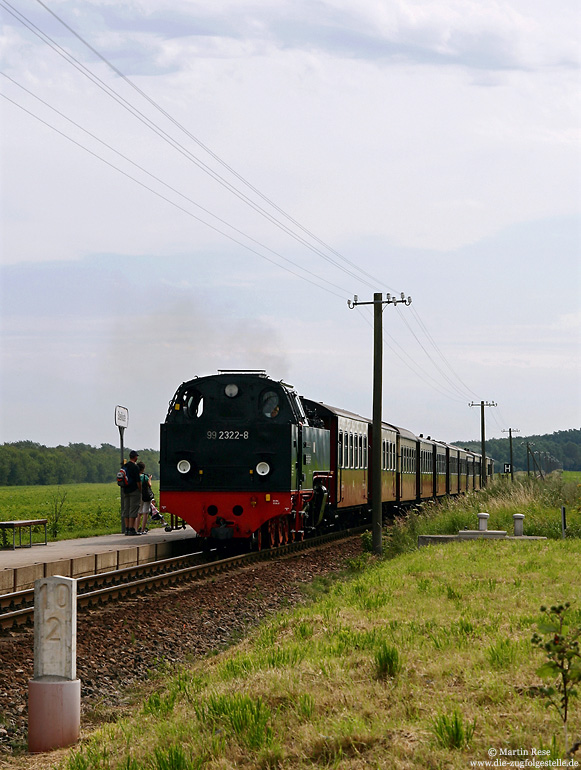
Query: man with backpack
[{"x": 131, "y": 493}]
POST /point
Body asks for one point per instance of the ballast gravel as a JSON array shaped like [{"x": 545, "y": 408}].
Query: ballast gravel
[{"x": 118, "y": 644}]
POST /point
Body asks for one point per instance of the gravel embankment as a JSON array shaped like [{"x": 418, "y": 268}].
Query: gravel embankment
[{"x": 118, "y": 644}]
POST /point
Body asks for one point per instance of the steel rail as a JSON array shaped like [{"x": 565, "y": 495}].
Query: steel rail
[{"x": 125, "y": 586}]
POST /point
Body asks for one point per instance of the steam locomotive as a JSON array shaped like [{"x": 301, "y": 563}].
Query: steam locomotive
[{"x": 246, "y": 458}]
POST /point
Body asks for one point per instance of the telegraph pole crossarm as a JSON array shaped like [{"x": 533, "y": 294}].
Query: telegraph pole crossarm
[
  {"x": 482, "y": 404},
  {"x": 378, "y": 303}
]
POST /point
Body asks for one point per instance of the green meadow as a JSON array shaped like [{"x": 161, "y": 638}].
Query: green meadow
[
  {"x": 83, "y": 510},
  {"x": 72, "y": 510},
  {"x": 422, "y": 661}
]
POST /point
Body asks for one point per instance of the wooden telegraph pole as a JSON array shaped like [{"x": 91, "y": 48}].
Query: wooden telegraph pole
[
  {"x": 510, "y": 432},
  {"x": 378, "y": 304},
  {"x": 483, "y": 477}
]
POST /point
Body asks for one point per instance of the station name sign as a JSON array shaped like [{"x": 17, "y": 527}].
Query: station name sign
[{"x": 121, "y": 416}]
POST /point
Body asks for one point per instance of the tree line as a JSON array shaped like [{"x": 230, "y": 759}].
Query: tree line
[
  {"x": 563, "y": 446},
  {"x": 26, "y": 462}
]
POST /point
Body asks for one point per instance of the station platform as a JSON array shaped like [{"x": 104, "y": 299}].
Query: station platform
[{"x": 19, "y": 568}]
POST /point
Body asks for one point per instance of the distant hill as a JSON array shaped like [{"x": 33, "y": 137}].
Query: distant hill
[{"x": 564, "y": 446}]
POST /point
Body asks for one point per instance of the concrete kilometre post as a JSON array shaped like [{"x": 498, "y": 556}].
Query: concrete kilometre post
[
  {"x": 54, "y": 695},
  {"x": 518, "y": 519},
  {"x": 483, "y": 522}
]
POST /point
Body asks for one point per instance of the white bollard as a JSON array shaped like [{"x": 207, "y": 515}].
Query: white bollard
[
  {"x": 483, "y": 522},
  {"x": 54, "y": 695},
  {"x": 518, "y": 519}
]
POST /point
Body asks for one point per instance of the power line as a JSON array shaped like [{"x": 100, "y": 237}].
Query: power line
[
  {"x": 439, "y": 369},
  {"x": 437, "y": 349},
  {"x": 360, "y": 274},
  {"x": 202, "y": 145},
  {"x": 168, "y": 200},
  {"x": 165, "y": 184},
  {"x": 160, "y": 132}
]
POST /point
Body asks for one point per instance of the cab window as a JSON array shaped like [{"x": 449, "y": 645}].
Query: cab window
[
  {"x": 190, "y": 404},
  {"x": 270, "y": 403}
]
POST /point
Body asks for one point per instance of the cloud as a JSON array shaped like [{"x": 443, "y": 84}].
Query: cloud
[{"x": 156, "y": 36}]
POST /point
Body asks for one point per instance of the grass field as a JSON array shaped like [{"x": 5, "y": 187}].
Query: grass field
[
  {"x": 80, "y": 510},
  {"x": 423, "y": 661},
  {"x": 84, "y": 510}
]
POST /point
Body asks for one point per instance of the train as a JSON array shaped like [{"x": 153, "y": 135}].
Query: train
[{"x": 246, "y": 460}]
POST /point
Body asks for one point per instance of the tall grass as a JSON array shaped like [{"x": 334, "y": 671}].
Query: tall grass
[
  {"x": 539, "y": 500},
  {"x": 451, "y": 732}
]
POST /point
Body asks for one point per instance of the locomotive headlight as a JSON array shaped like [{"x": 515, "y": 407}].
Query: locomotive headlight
[
  {"x": 263, "y": 469},
  {"x": 184, "y": 466},
  {"x": 231, "y": 390}
]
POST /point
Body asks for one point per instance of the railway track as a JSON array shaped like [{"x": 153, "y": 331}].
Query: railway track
[{"x": 17, "y": 609}]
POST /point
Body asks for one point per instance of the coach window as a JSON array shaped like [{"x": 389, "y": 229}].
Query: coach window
[
  {"x": 270, "y": 403},
  {"x": 365, "y": 451},
  {"x": 350, "y": 450},
  {"x": 340, "y": 449}
]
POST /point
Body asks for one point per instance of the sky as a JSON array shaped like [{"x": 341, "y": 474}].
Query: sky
[{"x": 198, "y": 185}]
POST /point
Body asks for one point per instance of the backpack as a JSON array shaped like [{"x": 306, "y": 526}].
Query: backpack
[
  {"x": 146, "y": 490},
  {"x": 122, "y": 478}
]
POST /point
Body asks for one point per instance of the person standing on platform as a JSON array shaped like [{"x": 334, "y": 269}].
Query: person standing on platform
[
  {"x": 146, "y": 498},
  {"x": 131, "y": 494}
]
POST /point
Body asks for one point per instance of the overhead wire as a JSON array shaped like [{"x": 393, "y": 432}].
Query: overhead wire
[
  {"x": 165, "y": 184},
  {"x": 200, "y": 144},
  {"x": 163, "y": 197},
  {"x": 360, "y": 274},
  {"x": 436, "y": 365},
  {"x": 412, "y": 365},
  {"x": 437, "y": 349},
  {"x": 161, "y": 133}
]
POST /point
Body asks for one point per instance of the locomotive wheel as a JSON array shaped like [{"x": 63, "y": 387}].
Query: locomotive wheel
[
  {"x": 279, "y": 532},
  {"x": 285, "y": 530},
  {"x": 272, "y": 533},
  {"x": 259, "y": 539}
]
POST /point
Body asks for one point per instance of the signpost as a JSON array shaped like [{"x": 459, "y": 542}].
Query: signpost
[{"x": 121, "y": 421}]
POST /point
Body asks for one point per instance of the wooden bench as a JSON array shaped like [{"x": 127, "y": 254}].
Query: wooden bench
[{"x": 20, "y": 525}]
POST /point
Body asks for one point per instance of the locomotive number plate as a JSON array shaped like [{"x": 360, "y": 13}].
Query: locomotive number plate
[{"x": 228, "y": 435}]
